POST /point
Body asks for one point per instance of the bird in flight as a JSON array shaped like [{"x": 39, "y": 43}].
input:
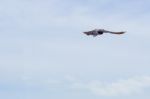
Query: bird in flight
[{"x": 97, "y": 32}]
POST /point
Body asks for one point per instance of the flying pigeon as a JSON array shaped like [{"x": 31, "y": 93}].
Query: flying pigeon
[{"x": 97, "y": 32}]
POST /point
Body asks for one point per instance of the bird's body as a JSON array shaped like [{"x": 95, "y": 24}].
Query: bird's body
[{"x": 97, "y": 32}]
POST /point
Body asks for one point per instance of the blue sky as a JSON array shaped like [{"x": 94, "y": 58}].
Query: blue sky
[{"x": 44, "y": 54}]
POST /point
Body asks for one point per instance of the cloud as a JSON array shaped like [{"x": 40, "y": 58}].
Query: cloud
[{"x": 122, "y": 87}]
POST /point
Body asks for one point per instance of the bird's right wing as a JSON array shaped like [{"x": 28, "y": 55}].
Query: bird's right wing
[
  {"x": 117, "y": 32},
  {"x": 105, "y": 31}
]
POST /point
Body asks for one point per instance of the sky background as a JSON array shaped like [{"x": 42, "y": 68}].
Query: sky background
[{"x": 45, "y": 55}]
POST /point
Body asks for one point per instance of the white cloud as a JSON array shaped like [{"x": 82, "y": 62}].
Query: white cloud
[{"x": 121, "y": 87}]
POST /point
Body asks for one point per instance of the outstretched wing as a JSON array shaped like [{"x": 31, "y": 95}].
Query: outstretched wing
[
  {"x": 117, "y": 32},
  {"x": 105, "y": 31}
]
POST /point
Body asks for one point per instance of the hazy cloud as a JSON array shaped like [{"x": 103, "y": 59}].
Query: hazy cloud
[{"x": 120, "y": 87}]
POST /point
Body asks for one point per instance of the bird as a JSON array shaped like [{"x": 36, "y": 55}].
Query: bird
[{"x": 97, "y": 32}]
